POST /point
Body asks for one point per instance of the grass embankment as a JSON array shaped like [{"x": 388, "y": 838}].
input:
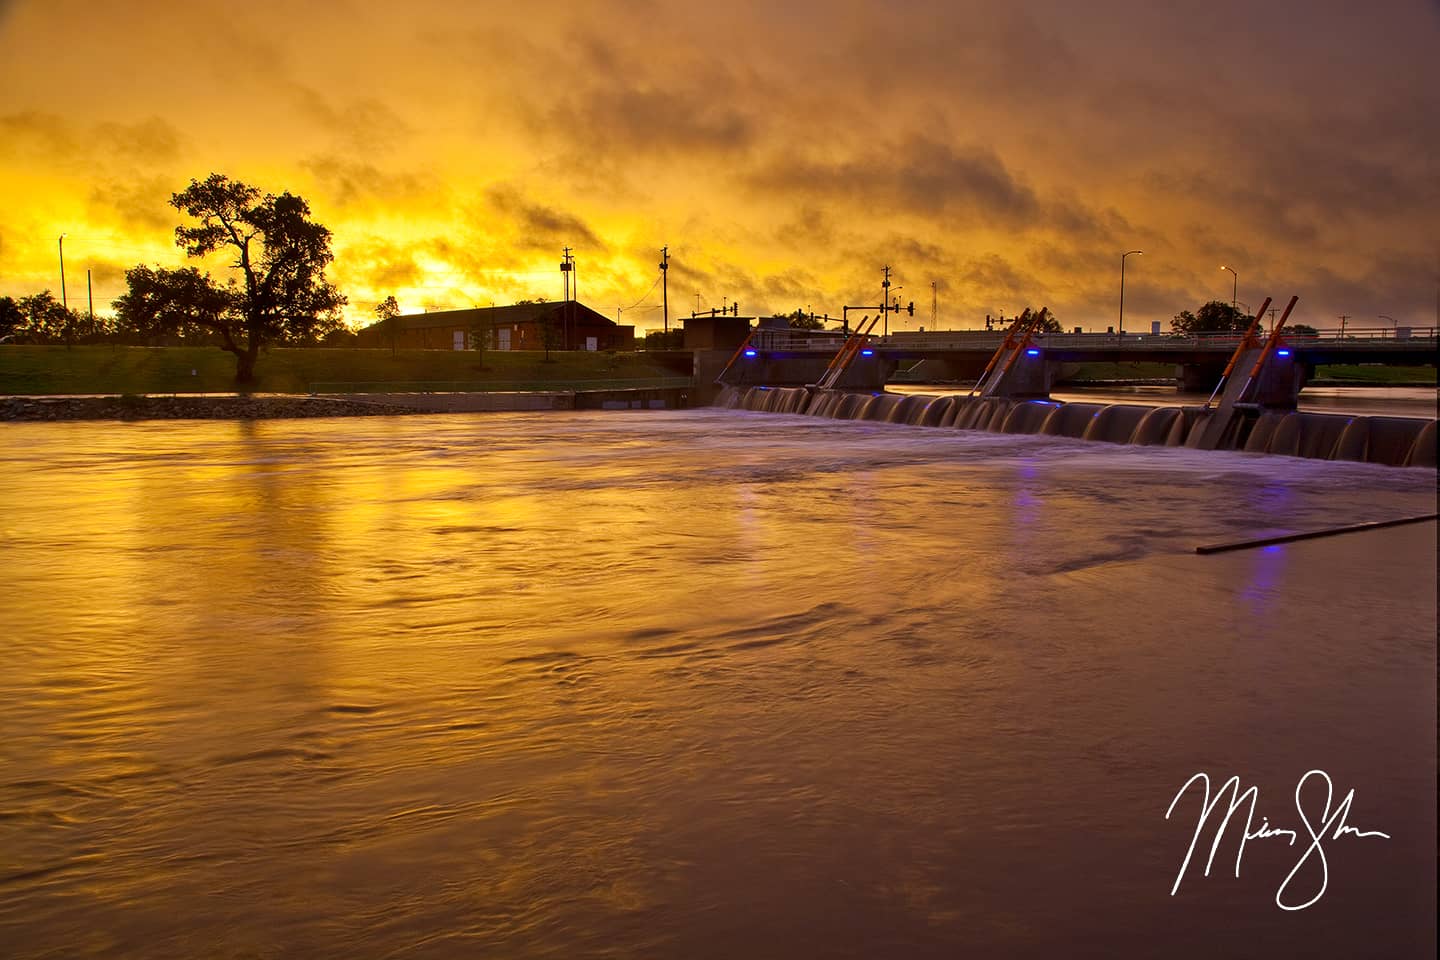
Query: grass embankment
[
  {"x": 1091, "y": 372},
  {"x": 1373, "y": 374},
  {"x": 28, "y": 369}
]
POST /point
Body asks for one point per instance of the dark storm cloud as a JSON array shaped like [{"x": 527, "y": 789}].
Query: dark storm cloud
[
  {"x": 151, "y": 140},
  {"x": 51, "y": 138},
  {"x": 541, "y": 227},
  {"x": 365, "y": 125},
  {"x": 141, "y": 203},
  {"x": 30, "y": 132},
  {"x": 604, "y": 91},
  {"x": 809, "y": 226},
  {"x": 996, "y": 273},
  {"x": 921, "y": 176},
  {"x": 1294, "y": 177},
  {"x": 1067, "y": 215},
  {"x": 780, "y": 290},
  {"x": 1411, "y": 281},
  {"x": 921, "y": 253},
  {"x": 931, "y": 50},
  {"x": 353, "y": 181},
  {"x": 654, "y": 118},
  {"x": 107, "y": 273}
]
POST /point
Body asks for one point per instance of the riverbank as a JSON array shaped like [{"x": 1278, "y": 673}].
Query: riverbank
[
  {"x": 656, "y": 396},
  {"x": 233, "y": 407},
  {"x": 30, "y": 370}
]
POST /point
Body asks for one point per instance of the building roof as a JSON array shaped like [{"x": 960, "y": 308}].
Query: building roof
[{"x": 512, "y": 314}]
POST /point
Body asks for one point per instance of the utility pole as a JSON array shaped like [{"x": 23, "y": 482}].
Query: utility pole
[
  {"x": 1343, "y": 318},
  {"x": 1272, "y": 318},
  {"x": 885, "y": 303},
  {"x": 567, "y": 269},
  {"x": 934, "y": 303},
  {"x": 63, "y": 301},
  {"x": 665, "y": 286},
  {"x": 90, "y": 290}
]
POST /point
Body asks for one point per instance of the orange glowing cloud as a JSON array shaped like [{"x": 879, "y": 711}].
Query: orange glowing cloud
[{"x": 783, "y": 153}]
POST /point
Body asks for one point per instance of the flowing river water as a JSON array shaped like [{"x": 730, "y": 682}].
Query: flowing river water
[{"x": 698, "y": 684}]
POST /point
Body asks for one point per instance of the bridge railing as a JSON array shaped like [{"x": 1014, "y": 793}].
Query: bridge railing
[
  {"x": 804, "y": 341},
  {"x": 967, "y": 339},
  {"x": 796, "y": 341}
]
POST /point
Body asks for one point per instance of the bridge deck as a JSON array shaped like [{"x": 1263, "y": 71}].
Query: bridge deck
[{"x": 1384, "y": 345}]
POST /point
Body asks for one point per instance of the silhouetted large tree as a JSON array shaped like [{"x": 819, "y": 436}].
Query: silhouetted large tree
[
  {"x": 1214, "y": 317},
  {"x": 800, "y": 320},
  {"x": 279, "y": 293},
  {"x": 1043, "y": 319}
]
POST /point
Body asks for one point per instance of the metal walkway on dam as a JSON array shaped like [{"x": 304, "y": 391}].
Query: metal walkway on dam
[
  {"x": 783, "y": 357},
  {"x": 1401, "y": 346}
]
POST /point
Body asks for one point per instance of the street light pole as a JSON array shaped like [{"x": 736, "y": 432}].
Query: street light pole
[
  {"x": 63, "y": 302},
  {"x": 665, "y": 289},
  {"x": 1234, "y": 287},
  {"x": 1122, "y": 286}
]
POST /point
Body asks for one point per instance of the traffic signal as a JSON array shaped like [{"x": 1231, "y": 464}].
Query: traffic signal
[{"x": 911, "y": 308}]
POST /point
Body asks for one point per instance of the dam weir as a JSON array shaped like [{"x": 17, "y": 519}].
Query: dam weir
[{"x": 1394, "y": 441}]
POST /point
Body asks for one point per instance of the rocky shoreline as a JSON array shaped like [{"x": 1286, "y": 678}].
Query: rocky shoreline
[{"x": 182, "y": 407}]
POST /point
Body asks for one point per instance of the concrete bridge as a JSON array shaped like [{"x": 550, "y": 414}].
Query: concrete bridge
[{"x": 793, "y": 357}]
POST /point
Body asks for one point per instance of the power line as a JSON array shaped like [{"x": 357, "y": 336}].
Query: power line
[{"x": 644, "y": 295}]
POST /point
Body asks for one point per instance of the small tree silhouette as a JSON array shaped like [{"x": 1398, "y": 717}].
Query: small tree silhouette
[{"x": 388, "y": 310}]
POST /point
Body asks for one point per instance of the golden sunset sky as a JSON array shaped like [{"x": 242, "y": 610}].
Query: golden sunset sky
[{"x": 1007, "y": 153}]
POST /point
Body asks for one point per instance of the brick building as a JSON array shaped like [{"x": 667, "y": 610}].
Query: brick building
[{"x": 522, "y": 326}]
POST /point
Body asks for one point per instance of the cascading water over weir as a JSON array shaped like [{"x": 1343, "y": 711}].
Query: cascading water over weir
[
  {"x": 1255, "y": 412},
  {"x": 1397, "y": 441}
]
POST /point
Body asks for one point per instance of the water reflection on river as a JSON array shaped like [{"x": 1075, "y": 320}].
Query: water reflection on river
[{"x": 694, "y": 684}]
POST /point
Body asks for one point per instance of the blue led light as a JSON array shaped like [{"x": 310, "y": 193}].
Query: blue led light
[
  {"x": 751, "y": 353},
  {"x": 1032, "y": 353},
  {"x": 867, "y": 352},
  {"x": 1282, "y": 353}
]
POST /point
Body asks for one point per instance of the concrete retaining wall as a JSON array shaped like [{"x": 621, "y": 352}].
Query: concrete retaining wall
[{"x": 650, "y": 398}]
